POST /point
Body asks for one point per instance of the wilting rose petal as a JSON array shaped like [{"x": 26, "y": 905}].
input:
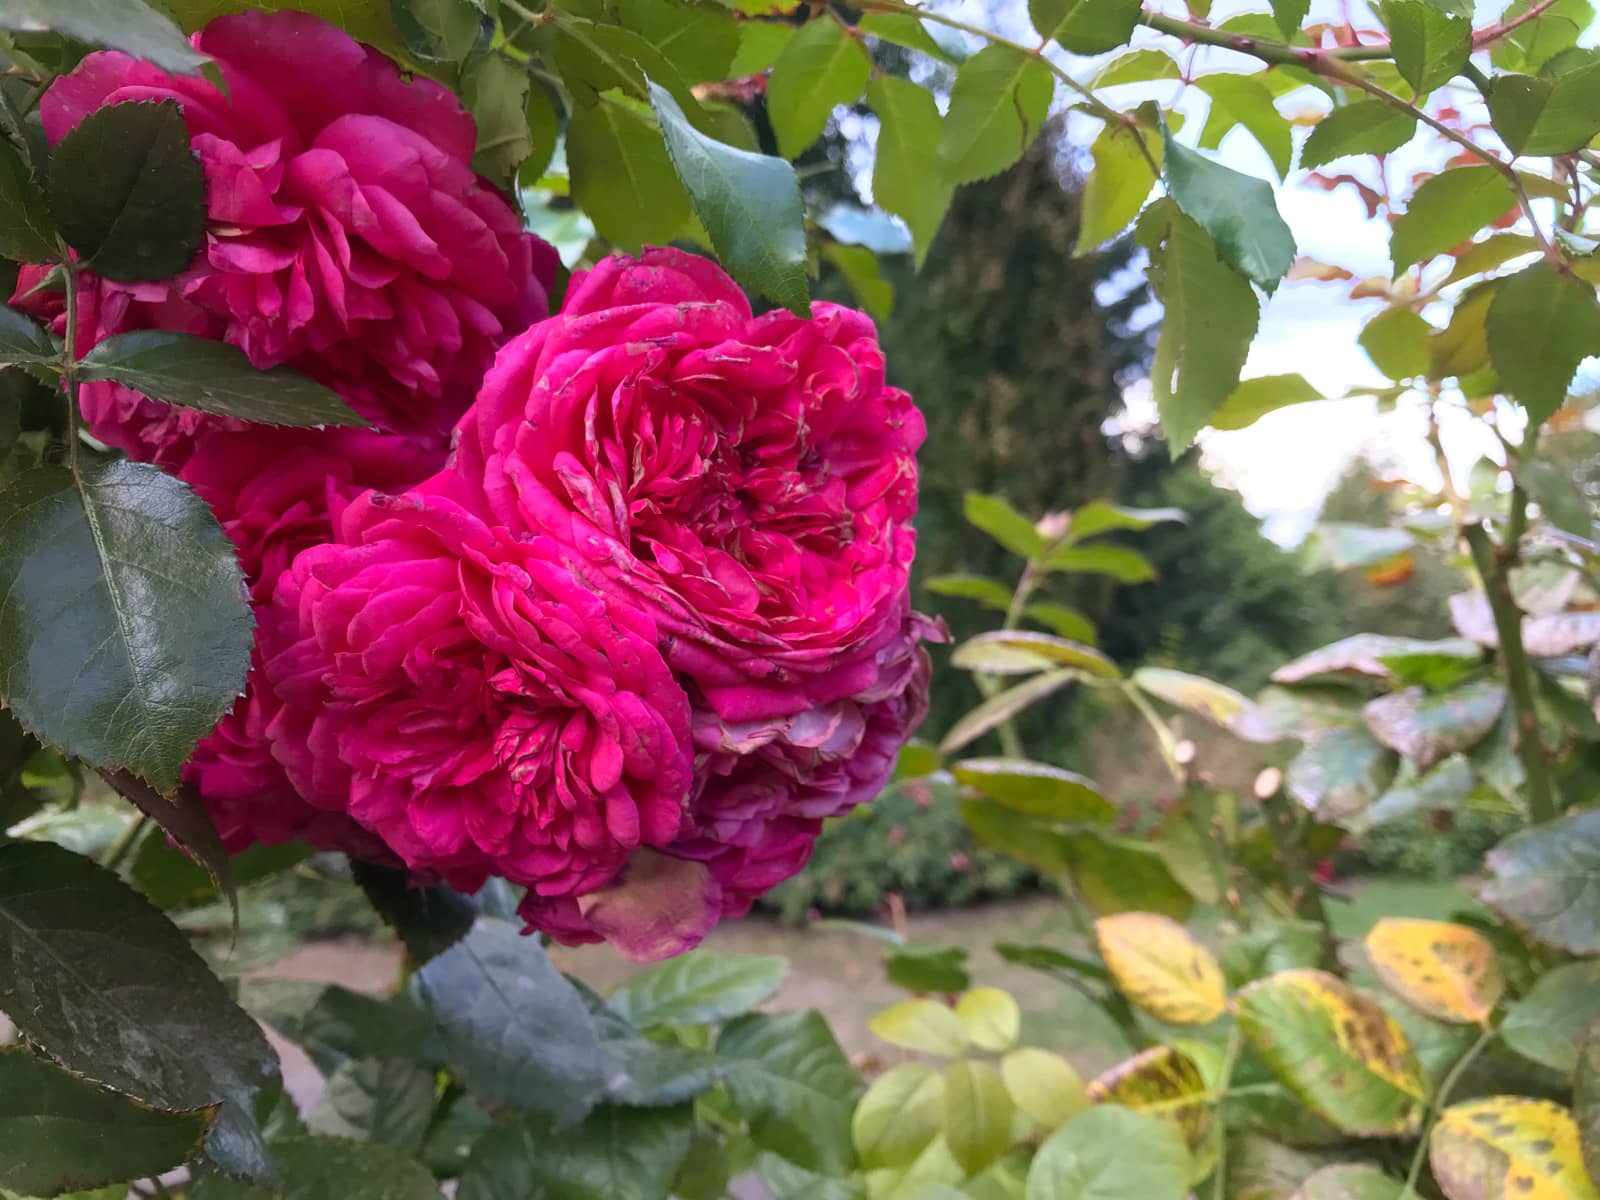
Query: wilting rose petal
[{"x": 659, "y": 907}]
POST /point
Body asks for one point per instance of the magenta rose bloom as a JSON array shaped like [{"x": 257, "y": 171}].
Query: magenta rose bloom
[
  {"x": 347, "y": 234},
  {"x": 276, "y": 492},
  {"x": 472, "y": 700}
]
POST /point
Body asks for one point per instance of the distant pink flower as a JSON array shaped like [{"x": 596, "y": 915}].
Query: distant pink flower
[
  {"x": 347, "y": 236},
  {"x": 959, "y": 861},
  {"x": 469, "y": 698}
]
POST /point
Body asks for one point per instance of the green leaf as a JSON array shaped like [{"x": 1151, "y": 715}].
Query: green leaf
[
  {"x": 59, "y": 1131},
  {"x": 1116, "y": 875},
  {"x": 901, "y": 1113},
  {"x": 1119, "y": 562},
  {"x": 1207, "y": 698},
  {"x": 992, "y": 1018},
  {"x": 1540, "y": 115},
  {"x": 1255, "y": 398},
  {"x": 1365, "y": 127},
  {"x": 1428, "y": 727},
  {"x": 1396, "y": 340},
  {"x": 905, "y": 30},
  {"x": 1036, "y": 789},
  {"x": 998, "y": 105},
  {"x": 1336, "y": 1050},
  {"x": 1001, "y": 707},
  {"x": 1350, "y": 1181},
  {"x": 316, "y": 1168},
  {"x": 1340, "y": 773},
  {"x": 94, "y": 974},
  {"x": 1290, "y": 15},
  {"x": 1119, "y": 184},
  {"x": 495, "y": 91},
  {"x": 127, "y": 562},
  {"x": 977, "y": 1113},
  {"x": 821, "y": 68},
  {"x": 1534, "y": 43},
  {"x": 214, "y": 377},
  {"x": 622, "y": 176},
  {"x": 699, "y": 988},
  {"x": 995, "y": 516},
  {"x": 1548, "y": 1024},
  {"x": 618, "y": 1153},
  {"x": 514, "y": 1030},
  {"x": 699, "y": 41},
  {"x": 1556, "y": 493},
  {"x": 437, "y": 31},
  {"x": 1541, "y": 324},
  {"x": 23, "y": 341},
  {"x": 1430, "y": 47},
  {"x": 1244, "y": 101},
  {"x": 860, "y": 268},
  {"x": 786, "y": 1181},
  {"x": 127, "y": 192},
  {"x": 926, "y": 1026},
  {"x": 991, "y": 593},
  {"x": 1068, "y": 622},
  {"x": 1462, "y": 346},
  {"x": 1085, "y": 26},
  {"x": 1446, "y": 211},
  {"x": 760, "y": 43},
  {"x": 1546, "y": 881},
  {"x": 788, "y": 1078},
  {"x": 1044, "y": 1086},
  {"x": 1022, "y": 651},
  {"x": 131, "y": 26},
  {"x": 749, "y": 203},
  {"x": 333, "y": 1024},
  {"x": 429, "y": 919},
  {"x": 924, "y": 968},
  {"x": 27, "y": 232},
  {"x": 1031, "y": 840},
  {"x": 1236, "y": 211},
  {"x": 169, "y": 878},
  {"x": 387, "y": 1100},
  {"x": 1144, "y": 65},
  {"x": 1092, "y": 1157},
  {"x": 1586, "y": 1102},
  {"x": 1364, "y": 655},
  {"x": 1210, "y": 319},
  {"x": 905, "y": 174}
]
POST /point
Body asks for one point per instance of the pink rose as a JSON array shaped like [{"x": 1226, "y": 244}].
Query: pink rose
[
  {"x": 472, "y": 700},
  {"x": 347, "y": 235}
]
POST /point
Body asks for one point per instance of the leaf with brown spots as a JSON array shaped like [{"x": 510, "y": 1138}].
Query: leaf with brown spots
[
  {"x": 1428, "y": 727},
  {"x": 1444, "y": 971},
  {"x": 1337, "y": 1050},
  {"x": 1508, "y": 1148},
  {"x": 1162, "y": 1081},
  {"x": 1159, "y": 965}
]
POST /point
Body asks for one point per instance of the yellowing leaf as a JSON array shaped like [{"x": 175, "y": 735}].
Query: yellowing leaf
[
  {"x": 992, "y": 1018},
  {"x": 1508, "y": 1148},
  {"x": 1339, "y": 1053},
  {"x": 1162, "y": 1081},
  {"x": 1444, "y": 971},
  {"x": 924, "y": 1025},
  {"x": 1044, "y": 1085},
  {"x": 1159, "y": 965}
]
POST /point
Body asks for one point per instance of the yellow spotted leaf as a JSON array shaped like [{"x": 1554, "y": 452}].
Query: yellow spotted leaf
[
  {"x": 1509, "y": 1148},
  {"x": 1336, "y": 1050},
  {"x": 1159, "y": 965},
  {"x": 1444, "y": 971},
  {"x": 1162, "y": 1081}
]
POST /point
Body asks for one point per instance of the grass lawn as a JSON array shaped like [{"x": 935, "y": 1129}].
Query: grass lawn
[{"x": 1371, "y": 898}]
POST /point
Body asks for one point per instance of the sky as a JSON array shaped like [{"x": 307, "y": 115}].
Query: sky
[{"x": 1285, "y": 464}]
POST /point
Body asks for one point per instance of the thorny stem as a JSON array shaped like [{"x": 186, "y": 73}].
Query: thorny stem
[
  {"x": 1493, "y": 33},
  {"x": 69, "y": 358},
  {"x": 1437, "y": 1102}
]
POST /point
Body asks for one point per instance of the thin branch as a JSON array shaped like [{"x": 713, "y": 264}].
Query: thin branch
[
  {"x": 1437, "y": 1102},
  {"x": 1490, "y": 34}
]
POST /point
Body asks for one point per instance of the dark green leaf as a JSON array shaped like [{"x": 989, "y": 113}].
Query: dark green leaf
[
  {"x": 1032, "y": 840},
  {"x": 129, "y": 566},
  {"x": 749, "y": 203},
  {"x": 131, "y": 26},
  {"x": 821, "y": 68},
  {"x": 1089, "y": 1158},
  {"x": 387, "y": 1100},
  {"x": 998, "y": 105},
  {"x": 1340, "y": 773},
  {"x": 1211, "y": 316},
  {"x": 437, "y": 31},
  {"x": 182, "y": 817},
  {"x": 1245, "y": 101},
  {"x": 788, "y": 1078},
  {"x": 128, "y": 193},
  {"x": 1396, "y": 340},
  {"x": 698, "y": 40},
  {"x": 544, "y": 128},
  {"x": 1430, "y": 46},
  {"x": 214, "y": 377},
  {"x": 26, "y": 230},
  {"x": 1086, "y": 26},
  {"x": 1546, "y": 881},
  {"x": 1541, "y": 324},
  {"x": 60, "y": 1132},
  {"x": 333, "y": 1024},
  {"x": 905, "y": 174},
  {"x": 1556, "y": 493},
  {"x": 1447, "y": 210},
  {"x": 95, "y": 975},
  {"x": 495, "y": 91},
  {"x": 1549, "y": 1023},
  {"x": 1533, "y": 43},
  {"x": 169, "y": 878},
  {"x": 1119, "y": 184},
  {"x": 515, "y": 1031},
  {"x": 1116, "y": 874},
  {"x": 622, "y": 176},
  {"x": 698, "y": 988},
  {"x": 1539, "y": 115},
  {"x": 1365, "y": 127},
  {"x": 617, "y": 1153},
  {"x": 760, "y": 43},
  {"x": 926, "y": 968},
  {"x": 1290, "y": 14},
  {"x": 429, "y": 919},
  {"x": 1236, "y": 211},
  {"x": 786, "y": 1181},
  {"x": 642, "y": 1072},
  {"x": 22, "y": 341},
  {"x": 325, "y": 1168}
]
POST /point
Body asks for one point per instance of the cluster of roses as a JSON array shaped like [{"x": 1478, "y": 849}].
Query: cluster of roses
[{"x": 631, "y": 631}]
